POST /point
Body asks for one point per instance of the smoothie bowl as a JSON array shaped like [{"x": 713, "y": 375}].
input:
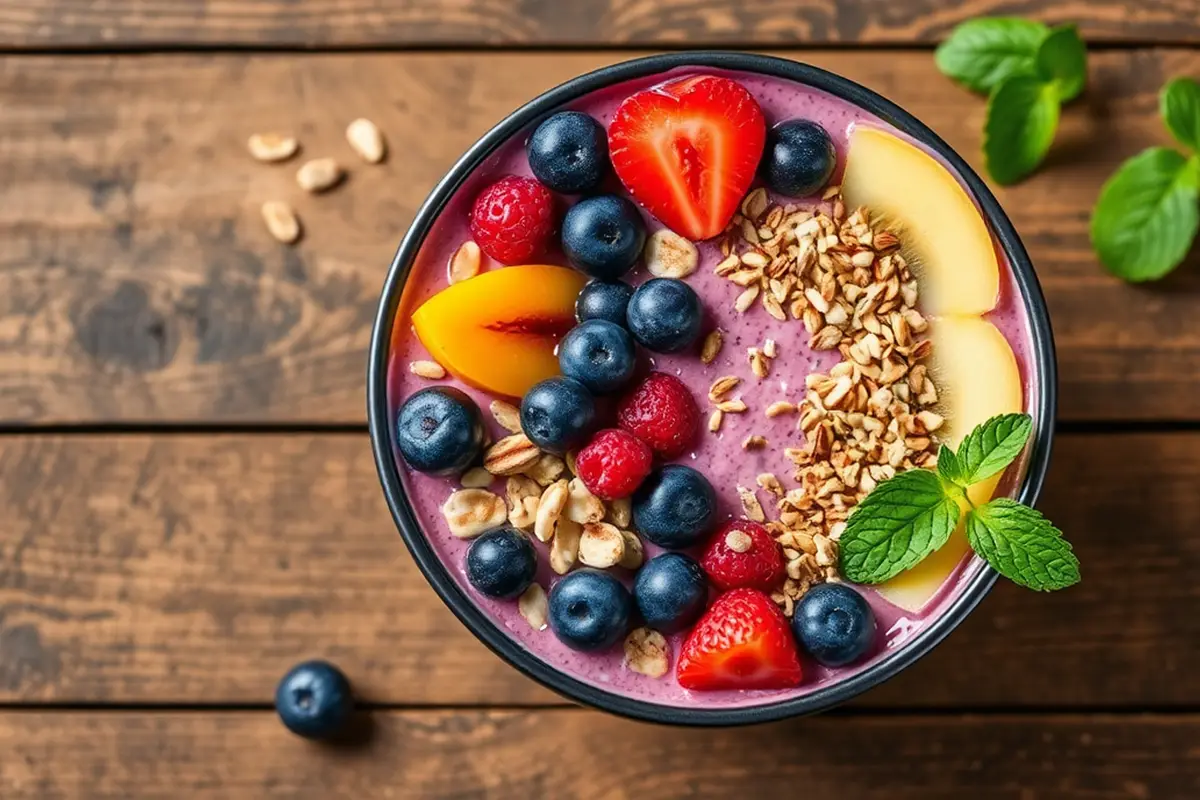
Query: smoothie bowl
[{"x": 650, "y": 343}]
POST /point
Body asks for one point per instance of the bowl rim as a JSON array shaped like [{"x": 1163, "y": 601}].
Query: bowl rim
[{"x": 435, "y": 572}]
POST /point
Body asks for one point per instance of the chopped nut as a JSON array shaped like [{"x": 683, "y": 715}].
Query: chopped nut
[
  {"x": 711, "y": 347},
  {"x": 750, "y": 505},
  {"x": 427, "y": 369},
  {"x": 738, "y": 541},
  {"x": 715, "y": 419},
  {"x": 534, "y": 607},
  {"x": 511, "y": 455},
  {"x": 722, "y": 386},
  {"x": 646, "y": 653},
  {"x": 470, "y": 512},
  {"x": 780, "y": 407},
  {"x": 759, "y": 363},
  {"x": 367, "y": 141},
  {"x": 524, "y": 495},
  {"x": 476, "y": 478},
  {"x": 570, "y": 459},
  {"x": 754, "y": 442},
  {"x": 319, "y": 175},
  {"x": 620, "y": 512},
  {"x": 755, "y": 203},
  {"x": 507, "y": 415},
  {"x": 464, "y": 263},
  {"x": 826, "y": 551},
  {"x": 547, "y": 469},
  {"x": 746, "y": 299},
  {"x": 669, "y": 255},
  {"x": 770, "y": 349},
  {"x": 564, "y": 550},
  {"x": 635, "y": 553},
  {"x": 582, "y": 506},
  {"x": 281, "y": 220},
  {"x": 826, "y": 339},
  {"x": 550, "y": 511},
  {"x": 601, "y": 545},
  {"x": 732, "y": 406},
  {"x": 272, "y": 147},
  {"x": 769, "y": 482}
]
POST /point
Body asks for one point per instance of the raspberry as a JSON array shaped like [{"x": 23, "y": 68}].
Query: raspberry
[
  {"x": 613, "y": 464},
  {"x": 662, "y": 413},
  {"x": 743, "y": 554},
  {"x": 512, "y": 219}
]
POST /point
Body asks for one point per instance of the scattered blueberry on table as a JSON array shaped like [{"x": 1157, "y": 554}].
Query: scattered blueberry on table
[{"x": 314, "y": 700}]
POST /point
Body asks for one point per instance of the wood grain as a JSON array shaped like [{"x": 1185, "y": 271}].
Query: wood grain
[
  {"x": 197, "y": 569},
  {"x": 137, "y": 282},
  {"x": 323, "y": 23},
  {"x": 574, "y": 753}
]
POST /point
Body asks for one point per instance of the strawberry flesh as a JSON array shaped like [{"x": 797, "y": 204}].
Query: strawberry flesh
[
  {"x": 742, "y": 642},
  {"x": 688, "y": 151}
]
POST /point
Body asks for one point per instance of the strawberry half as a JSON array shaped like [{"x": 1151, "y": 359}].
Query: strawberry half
[
  {"x": 742, "y": 642},
  {"x": 688, "y": 150}
]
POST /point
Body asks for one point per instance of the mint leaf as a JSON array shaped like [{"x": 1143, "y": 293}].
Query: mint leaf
[
  {"x": 1022, "y": 115},
  {"x": 992, "y": 446},
  {"x": 1179, "y": 102},
  {"x": 1022, "y": 545},
  {"x": 949, "y": 468},
  {"x": 1062, "y": 60},
  {"x": 982, "y": 53},
  {"x": 1147, "y": 216},
  {"x": 899, "y": 523}
]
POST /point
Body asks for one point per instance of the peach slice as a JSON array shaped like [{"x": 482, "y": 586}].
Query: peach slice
[
  {"x": 946, "y": 239},
  {"x": 498, "y": 330},
  {"x": 977, "y": 375}
]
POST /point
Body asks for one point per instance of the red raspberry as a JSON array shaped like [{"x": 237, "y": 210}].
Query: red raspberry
[
  {"x": 743, "y": 554},
  {"x": 512, "y": 219},
  {"x": 662, "y": 413},
  {"x": 613, "y": 464}
]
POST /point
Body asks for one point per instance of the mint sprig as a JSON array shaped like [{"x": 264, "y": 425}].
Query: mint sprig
[
  {"x": 1028, "y": 71},
  {"x": 907, "y": 517},
  {"x": 1146, "y": 219}
]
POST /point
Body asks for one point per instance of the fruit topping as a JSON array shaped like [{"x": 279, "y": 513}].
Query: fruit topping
[
  {"x": 613, "y": 464},
  {"x": 557, "y": 414},
  {"x": 688, "y": 150},
  {"x": 799, "y": 158},
  {"x": 498, "y": 330},
  {"x": 675, "y": 507},
  {"x": 603, "y": 236},
  {"x": 501, "y": 563},
  {"x": 664, "y": 315},
  {"x": 440, "y": 431},
  {"x": 512, "y": 219},
  {"x": 313, "y": 700},
  {"x": 744, "y": 554},
  {"x": 669, "y": 255},
  {"x": 834, "y": 624},
  {"x": 662, "y": 413},
  {"x": 589, "y": 610},
  {"x": 670, "y": 590},
  {"x": 743, "y": 642},
  {"x": 603, "y": 300},
  {"x": 569, "y": 152},
  {"x": 944, "y": 233},
  {"x": 599, "y": 354}
]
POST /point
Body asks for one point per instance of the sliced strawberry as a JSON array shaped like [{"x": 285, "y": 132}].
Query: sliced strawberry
[
  {"x": 742, "y": 642},
  {"x": 688, "y": 151}
]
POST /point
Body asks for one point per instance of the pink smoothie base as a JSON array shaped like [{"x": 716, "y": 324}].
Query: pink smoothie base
[{"x": 720, "y": 456}]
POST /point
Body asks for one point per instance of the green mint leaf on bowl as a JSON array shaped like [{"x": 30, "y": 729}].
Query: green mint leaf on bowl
[
  {"x": 1062, "y": 61},
  {"x": 1022, "y": 545},
  {"x": 1147, "y": 215},
  {"x": 1179, "y": 102},
  {"x": 898, "y": 524},
  {"x": 1022, "y": 116},
  {"x": 983, "y": 53},
  {"x": 949, "y": 468},
  {"x": 992, "y": 446}
]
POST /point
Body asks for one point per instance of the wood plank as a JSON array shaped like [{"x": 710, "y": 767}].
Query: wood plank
[
  {"x": 323, "y": 23},
  {"x": 575, "y": 753},
  {"x": 185, "y": 569},
  {"x": 137, "y": 282}
]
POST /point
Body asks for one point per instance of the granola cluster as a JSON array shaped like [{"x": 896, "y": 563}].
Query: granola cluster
[{"x": 872, "y": 415}]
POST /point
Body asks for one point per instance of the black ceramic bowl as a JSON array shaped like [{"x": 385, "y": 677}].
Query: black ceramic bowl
[{"x": 1042, "y": 363}]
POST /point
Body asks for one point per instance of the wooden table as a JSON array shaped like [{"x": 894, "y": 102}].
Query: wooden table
[{"x": 187, "y": 500}]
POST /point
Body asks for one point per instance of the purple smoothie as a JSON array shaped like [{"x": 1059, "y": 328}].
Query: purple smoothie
[{"x": 719, "y": 456}]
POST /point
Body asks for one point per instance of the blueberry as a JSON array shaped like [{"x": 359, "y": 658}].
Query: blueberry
[
  {"x": 314, "y": 699},
  {"x": 664, "y": 315},
  {"x": 557, "y": 414},
  {"x": 501, "y": 563},
  {"x": 599, "y": 355},
  {"x": 671, "y": 591},
  {"x": 603, "y": 236},
  {"x": 834, "y": 624},
  {"x": 569, "y": 152},
  {"x": 675, "y": 507},
  {"x": 603, "y": 300},
  {"x": 589, "y": 610},
  {"x": 440, "y": 430},
  {"x": 798, "y": 159}
]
